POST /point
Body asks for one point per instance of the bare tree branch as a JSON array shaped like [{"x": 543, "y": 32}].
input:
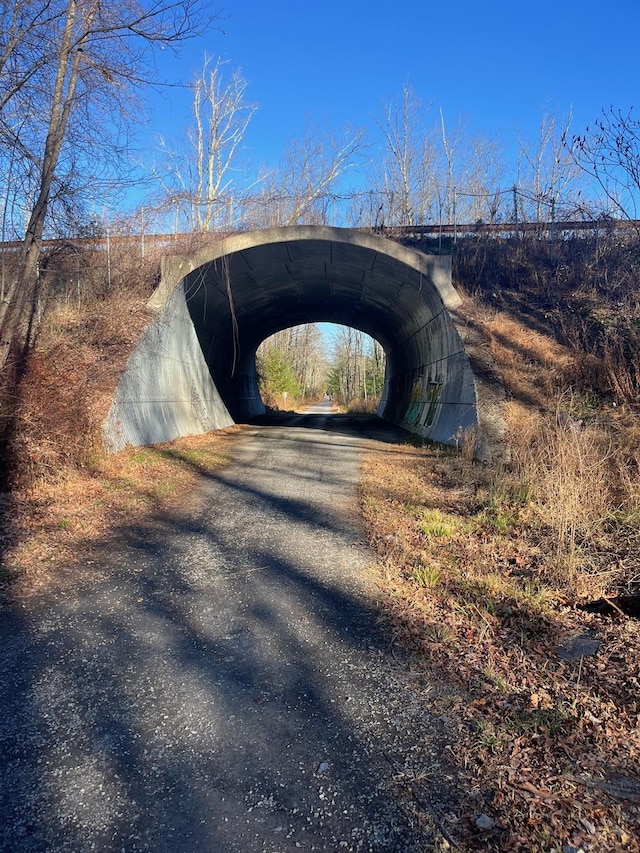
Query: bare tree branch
[
  {"x": 69, "y": 71},
  {"x": 609, "y": 151}
]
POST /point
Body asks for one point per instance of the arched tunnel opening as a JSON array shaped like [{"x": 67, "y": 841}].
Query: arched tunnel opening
[{"x": 195, "y": 367}]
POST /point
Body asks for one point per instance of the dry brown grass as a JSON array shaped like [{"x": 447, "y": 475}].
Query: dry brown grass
[
  {"x": 70, "y": 379},
  {"x": 484, "y": 569},
  {"x": 567, "y": 469},
  {"x": 532, "y": 365},
  {"x": 577, "y": 463},
  {"x": 473, "y": 585},
  {"x": 363, "y": 407},
  {"x": 55, "y": 519}
]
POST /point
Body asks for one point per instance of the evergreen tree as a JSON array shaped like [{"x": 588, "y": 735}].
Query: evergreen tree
[{"x": 275, "y": 376}]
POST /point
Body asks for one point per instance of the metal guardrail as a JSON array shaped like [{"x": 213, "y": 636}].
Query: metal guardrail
[
  {"x": 515, "y": 227},
  {"x": 455, "y": 229}
]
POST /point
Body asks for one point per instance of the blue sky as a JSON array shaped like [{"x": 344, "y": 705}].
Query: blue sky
[{"x": 496, "y": 66}]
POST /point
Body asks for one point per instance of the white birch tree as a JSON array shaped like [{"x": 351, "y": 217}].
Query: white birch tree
[
  {"x": 200, "y": 180},
  {"x": 403, "y": 176},
  {"x": 549, "y": 176}
]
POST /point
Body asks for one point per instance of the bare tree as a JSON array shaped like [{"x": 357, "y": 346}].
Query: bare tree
[
  {"x": 73, "y": 68},
  {"x": 549, "y": 177},
  {"x": 201, "y": 180},
  {"x": 302, "y": 349},
  {"x": 357, "y": 366},
  {"x": 309, "y": 358},
  {"x": 478, "y": 195},
  {"x": 308, "y": 182},
  {"x": 403, "y": 180},
  {"x": 430, "y": 173},
  {"x": 609, "y": 151},
  {"x": 449, "y": 150}
]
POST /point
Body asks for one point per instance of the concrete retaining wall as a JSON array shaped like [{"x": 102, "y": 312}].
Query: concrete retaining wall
[{"x": 166, "y": 390}]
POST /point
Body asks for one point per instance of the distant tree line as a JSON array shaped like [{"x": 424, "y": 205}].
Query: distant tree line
[
  {"x": 357, "y": 369},
  {"x": 292, "y": 365},
  {"x": 301, "y": 364}
]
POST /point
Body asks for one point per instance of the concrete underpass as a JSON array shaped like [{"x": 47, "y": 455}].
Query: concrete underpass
[{"x": 194, "y": 368}]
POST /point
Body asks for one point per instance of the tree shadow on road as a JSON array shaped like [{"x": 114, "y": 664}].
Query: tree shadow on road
[
  {"x": 362, "y": 425},
  {"x": 201, "y": 688}
]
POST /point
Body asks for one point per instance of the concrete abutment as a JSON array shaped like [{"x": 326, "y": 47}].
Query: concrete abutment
[{"x": 194, "y": 368}]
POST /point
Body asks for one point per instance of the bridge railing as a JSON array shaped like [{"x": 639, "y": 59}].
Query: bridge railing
[{"x": 175, "y": 241}]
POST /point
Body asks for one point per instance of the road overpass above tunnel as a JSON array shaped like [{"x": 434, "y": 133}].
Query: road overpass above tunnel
[{"x": 194, "y": 367}]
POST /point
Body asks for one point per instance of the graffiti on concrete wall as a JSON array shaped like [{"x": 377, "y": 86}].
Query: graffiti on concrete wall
[
  {"x": 423, "y": 402},
  {"x": 434, "y": 390},
  {"x": 415, "y": 403}
]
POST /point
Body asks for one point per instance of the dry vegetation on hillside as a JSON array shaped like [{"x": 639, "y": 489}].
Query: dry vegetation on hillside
[
  {"x": 482, "y": 582},
  {"x": 485, "y": 571}
]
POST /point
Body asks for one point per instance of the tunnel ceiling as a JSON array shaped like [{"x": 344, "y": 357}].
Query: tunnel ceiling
[{"x": 284, "y": 277}]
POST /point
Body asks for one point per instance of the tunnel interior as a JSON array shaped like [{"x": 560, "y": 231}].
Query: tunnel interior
[{"x": 195, "y": 367}]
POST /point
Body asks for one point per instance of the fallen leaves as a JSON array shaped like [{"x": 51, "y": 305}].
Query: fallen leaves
[{"x": 536, "y": 731}]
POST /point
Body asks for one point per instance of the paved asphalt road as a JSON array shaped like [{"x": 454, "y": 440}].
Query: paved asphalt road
[{"x": 221, "y": 683}]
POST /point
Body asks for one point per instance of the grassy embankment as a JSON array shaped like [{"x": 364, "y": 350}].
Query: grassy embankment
[{"x": 485, "y": 569}]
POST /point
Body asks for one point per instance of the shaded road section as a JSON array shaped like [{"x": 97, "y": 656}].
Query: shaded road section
[{"x": 218, "y": 681}]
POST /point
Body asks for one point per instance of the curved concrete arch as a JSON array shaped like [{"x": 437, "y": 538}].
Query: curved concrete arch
[{"x": 194, "y": 368}]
